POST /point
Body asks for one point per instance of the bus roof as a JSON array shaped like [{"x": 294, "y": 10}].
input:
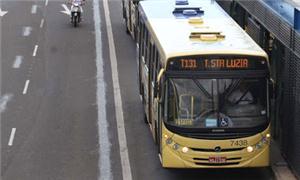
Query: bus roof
[{"x": 171, "y": 33}]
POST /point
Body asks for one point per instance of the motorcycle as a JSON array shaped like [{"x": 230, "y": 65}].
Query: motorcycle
[{"x": 76, "y": 13}]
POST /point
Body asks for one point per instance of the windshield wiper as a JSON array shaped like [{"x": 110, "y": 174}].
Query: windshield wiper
[
  {"x": 242, "y": 96},
  {"x": 209, "y": 96},
  {"x": 232, "y": 87}
]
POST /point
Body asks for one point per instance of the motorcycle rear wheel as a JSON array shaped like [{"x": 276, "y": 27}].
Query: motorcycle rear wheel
[{"x": 75, "y": 21}]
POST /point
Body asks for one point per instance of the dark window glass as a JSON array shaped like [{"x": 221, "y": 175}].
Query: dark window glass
[{"x": 217, "y": 103}]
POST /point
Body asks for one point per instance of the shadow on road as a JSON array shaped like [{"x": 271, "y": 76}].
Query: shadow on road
[{"x": 222, "y": 174}]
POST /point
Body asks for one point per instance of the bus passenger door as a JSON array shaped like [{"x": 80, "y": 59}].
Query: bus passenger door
[
  {"x": 145, "y": 72},
  {"x": 154, "y": 70}
]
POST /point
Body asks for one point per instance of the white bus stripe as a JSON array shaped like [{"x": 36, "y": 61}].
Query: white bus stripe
[
  {"x": 12, "y": 136},
  {"x": 104, "y": 143},
  {"x": 126, "y": 169}
]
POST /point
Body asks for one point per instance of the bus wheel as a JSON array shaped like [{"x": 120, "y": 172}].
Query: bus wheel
[
  {"x": 141, "y": 89},
  {"x": 126, "y": 26},
  {"x": 144, "y": 102},
  {"x": 145, "y": 118}
]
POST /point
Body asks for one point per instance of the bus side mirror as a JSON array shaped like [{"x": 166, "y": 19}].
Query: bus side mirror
[{"x": 271, "y": 84}]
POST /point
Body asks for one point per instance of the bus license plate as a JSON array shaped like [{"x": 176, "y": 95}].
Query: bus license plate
[{"x": 217, "y": 159}]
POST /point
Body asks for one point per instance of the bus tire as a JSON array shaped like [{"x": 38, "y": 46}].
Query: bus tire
[
  {"x": 145, "y": 116},
  {"x": 126, "y": 26},
  {"x": 141, "y": 89}
]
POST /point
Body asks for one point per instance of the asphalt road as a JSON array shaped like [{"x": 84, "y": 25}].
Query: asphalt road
[{"x": 49, "y": 95}]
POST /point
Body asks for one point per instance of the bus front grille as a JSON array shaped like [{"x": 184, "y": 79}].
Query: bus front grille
[
  {"x": 213, "y": 150},
  {"x": 228, "y": 159},
  {"x": 217, "y": 164}
]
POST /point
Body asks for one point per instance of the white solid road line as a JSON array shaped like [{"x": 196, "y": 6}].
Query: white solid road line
[
  {"x": 104, "y": 142},
  {"x": 46, "y": 3},
  {"x": 42, "y": 23},
  {"x": 26, "y": 87},
  {"x": 27, "y": 30},
  {"x": 12, "y": 136},
  {"x": 33, "y": 9},
  {"x": 126, "y": 169},
  {"x": 17, "y": 62},
  {"x": 35, "y": 50}
]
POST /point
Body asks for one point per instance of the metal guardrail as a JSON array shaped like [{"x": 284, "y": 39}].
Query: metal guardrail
[{"x": 270, "y": 20}]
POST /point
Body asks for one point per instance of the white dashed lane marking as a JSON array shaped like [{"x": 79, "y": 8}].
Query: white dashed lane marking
[
  {"x": 35, "y": 50},
  {"x": 12, "y": 136},
  {"x": 18, "y": 62},
  {"x": 26, "y": 87},
  {"x": 42, "y": 23},
  {"x": 33, "y": 9},
  {"x": 27, "y": 30}
]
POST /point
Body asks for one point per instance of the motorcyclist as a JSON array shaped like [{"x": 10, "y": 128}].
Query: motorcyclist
[{"x": 80, "y": 3}]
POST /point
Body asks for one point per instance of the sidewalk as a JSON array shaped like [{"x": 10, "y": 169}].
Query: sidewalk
[{"x": 279, "y": 165}]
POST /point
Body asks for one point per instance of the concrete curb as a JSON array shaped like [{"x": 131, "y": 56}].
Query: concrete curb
[
  {"x": 283, "y": 173},
  {"x": 279, "y": 165}
]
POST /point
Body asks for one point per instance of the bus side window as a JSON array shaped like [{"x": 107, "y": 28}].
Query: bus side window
[
  {"x": 154, "y": 65},
  {"x": 141, "y": 45},
  {"x": 158, "y": 65},
  {"x": 145, "y": 40},
  {"x": 148, "y": 50},
  {"x": 138, "y": 25},
  {"x": 152, "y": 62}
]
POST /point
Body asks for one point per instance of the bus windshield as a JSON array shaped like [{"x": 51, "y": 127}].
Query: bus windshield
[{"x": 216, "y": 103}]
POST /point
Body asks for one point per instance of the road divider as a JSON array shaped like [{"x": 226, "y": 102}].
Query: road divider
[
  {"x": 126, "y": 169},
  {"x": 104, "y": 142}
]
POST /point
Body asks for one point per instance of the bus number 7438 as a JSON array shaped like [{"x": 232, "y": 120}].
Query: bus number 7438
[{"x": 239, "y": 143}]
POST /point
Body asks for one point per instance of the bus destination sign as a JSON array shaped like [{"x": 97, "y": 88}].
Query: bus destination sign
[{"x": 216, "y": 63}]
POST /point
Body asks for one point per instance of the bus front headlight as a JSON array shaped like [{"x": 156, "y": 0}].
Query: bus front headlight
[
  {"x": 185, "y": 149},
  {"x": 250, "y": 149}
]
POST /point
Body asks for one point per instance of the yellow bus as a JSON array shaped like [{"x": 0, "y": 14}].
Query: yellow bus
[{"x": 204, "y": 84}]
